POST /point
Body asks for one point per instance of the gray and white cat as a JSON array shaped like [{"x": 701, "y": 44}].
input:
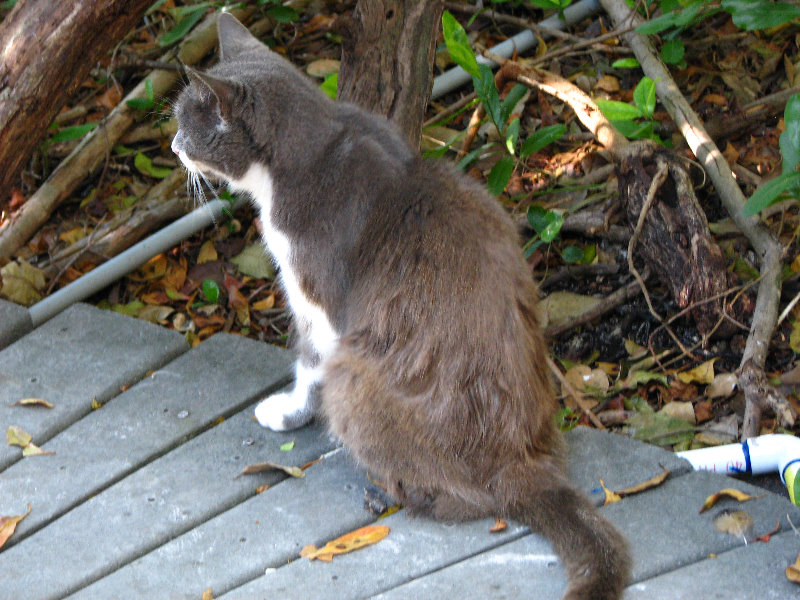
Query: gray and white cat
[{"x": 417, "y": 335}]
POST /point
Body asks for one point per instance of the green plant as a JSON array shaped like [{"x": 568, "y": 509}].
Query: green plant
[
  {"x": 498, "y": 111},
  {"x": 787, "y": 184},
  {"x": 635, "y": 120}
]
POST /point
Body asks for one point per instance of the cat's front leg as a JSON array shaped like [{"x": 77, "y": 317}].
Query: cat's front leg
[{"x": 289, "y": 410}]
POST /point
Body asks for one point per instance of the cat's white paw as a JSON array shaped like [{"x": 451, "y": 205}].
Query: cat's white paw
[{"x": 283, "y": 411}]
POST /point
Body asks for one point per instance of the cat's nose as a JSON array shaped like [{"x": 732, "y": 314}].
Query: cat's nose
[{"x": 175, "y": 145}]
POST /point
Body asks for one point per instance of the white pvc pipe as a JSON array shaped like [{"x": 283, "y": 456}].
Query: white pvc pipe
[
  {"x": 125, "y": 262},
  {"x": 456, "y": 77},
  {"x": 763, "y": 454},
  {"x": 122, "y": 264}
]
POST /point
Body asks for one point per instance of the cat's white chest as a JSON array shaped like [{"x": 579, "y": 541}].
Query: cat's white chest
[{"x": 309, "y": 315}]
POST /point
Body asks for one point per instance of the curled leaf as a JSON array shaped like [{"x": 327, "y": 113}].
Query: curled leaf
[
  {"x": 9, "y": 524},
  {"x": 268, "y": 466},
  {"x": 729, "y": 493},
  {"x": 354, "y": 540},
  {"x": 611, "y": 497},
  {"x": 33, "y": 402},
  {"x": 499, "y": 525},
  {"x": 793, "y": 571}
]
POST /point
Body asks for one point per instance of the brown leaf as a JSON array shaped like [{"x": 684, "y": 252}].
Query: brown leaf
[
  {"x": 207, "y": 252},
  {"x": 703, "y": 411},
  {"x": 269, "y": 466},
  {"x": 366, "y": 536},
  {"x": 265, "y": 304},
  {"x": 33, "y": 402},
  {"x": 729, "y": 493},
  {"x": 499, "y": 525},
  {"x": 766, "y": 537},
  {"x": 9, "y": 524}
]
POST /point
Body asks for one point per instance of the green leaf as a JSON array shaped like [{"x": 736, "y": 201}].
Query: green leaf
[
  {"x": 546, "y": 223},
  {"x": 633, "y": 130},
  {"x": 500, "y": 174},
  {"x": 143, "y": 163},
  {"x": 210, "y": 290},
  {"x": 184, "y": 26},
  {"x": 287, "y": 446},
  {"x": 140, "y": 103},
  {"x": 512, "y": 135},
  {"x": 625, "y": 63},
  {"x": 658, "y": 24},
  {"x": 510, "y": 101},
  {"x": 790, "y": 138},
  {"x": 672, "y": 51},
  {"x": 471, "y": 157},
  {"x": 283, "y": 14},
  {"x": 658, "y": 428},
  {"x": 458, "y": 44},
  {"x": 148, "y": 90},
  {"x": 486, "y": 90},
  {"x": 542, "y": 137},
  {"x": 572, "y": 255},
  {"x": 131, "y": 308},
  {"x": 644, "y": 97},
  {"x": 75, "y": 132},
  {"x": 770, "y": 193},
  {"x": 620, "y": 111},
  {"x": 330, "y": 85},
  {"x": 760, "y": 14}
]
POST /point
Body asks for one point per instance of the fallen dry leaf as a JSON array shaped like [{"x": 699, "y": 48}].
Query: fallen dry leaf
[
  {"x": 793, "y": 571},
  {"x": 207, "y": 252},
  {"x": 33, "y": 402},
  {"x": 499, "y": 525},
  {"x": 730, "y": 493},
  {"x": 9, "y": 524},
  {"x": 766, "y": 537},
  {"x": 265, "y": 304},
  {"x": 207, "y": 594},
  {"x": 268, "y": 466},
  {"x": 701, "y": 374},
  {"x": 354, "y": 540},
  {"x": 618, "y": 495},
  {"x": 15, "y": 436}
]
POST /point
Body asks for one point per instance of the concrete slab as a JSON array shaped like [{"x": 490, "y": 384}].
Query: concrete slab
[
  {"x": 15, "y": 321},
  {"x": 266, "y": 532},
  {"x": 755, "y": 571},
  {"x": 212, "y": 381},
  {"x": 662, "y": 525},
  {"x": 168, "y": 497},
  {"x": 80, "y": 355}
]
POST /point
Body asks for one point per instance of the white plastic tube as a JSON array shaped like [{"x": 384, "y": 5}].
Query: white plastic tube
[
  {"x": 456, "y": 77},
  {"x": 763, "y": 454},
  {"x": 125, "y": 262}
]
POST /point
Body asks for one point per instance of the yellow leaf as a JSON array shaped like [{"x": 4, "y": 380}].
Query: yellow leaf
[
  {"x": 701, "y": 374},
  {"x": 611, "y": 497},
  {"x": 73, "y": 235},
  {"x": 792, "y": 571},
  {"x": 499, "y": 525},
  {"x": 32, "y": 449},
  {"x": 207, "y": 595},
  {"x": 96, "y": 404},
  {"x": 354, "y": 540},
  {"x": 15, "y": 436},
  {"x": 730, "y": 493},
  {"x": 265, "y": 304},
  {"x": 33, "y": 402},
  {"x": 9, "y": 524},
  {"x": 645, "y": 485},
  {"x": 154, "y": 268},
  {"x": 207, "y": 252}
]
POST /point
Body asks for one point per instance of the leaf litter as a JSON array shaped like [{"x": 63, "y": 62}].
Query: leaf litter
[{"x": 355, "y": 540}]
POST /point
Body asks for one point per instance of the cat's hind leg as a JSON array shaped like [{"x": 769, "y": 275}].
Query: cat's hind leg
[{"x": 289, "y": 410}]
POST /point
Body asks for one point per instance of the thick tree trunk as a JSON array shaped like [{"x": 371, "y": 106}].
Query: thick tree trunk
[
  {"x": 47, "y": 48},
  {"x": 387, "y": 59}
]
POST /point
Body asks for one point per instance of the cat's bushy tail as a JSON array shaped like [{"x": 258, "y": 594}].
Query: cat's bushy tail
[{"x": 593, "y": 552}]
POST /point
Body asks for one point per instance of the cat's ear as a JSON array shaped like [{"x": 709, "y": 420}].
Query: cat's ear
[
  {"x": 222, "y": 92},
  {"x": 234, "y": 38}
]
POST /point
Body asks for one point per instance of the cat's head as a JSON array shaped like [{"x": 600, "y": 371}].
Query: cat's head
[{"x": 229, "y": 116}]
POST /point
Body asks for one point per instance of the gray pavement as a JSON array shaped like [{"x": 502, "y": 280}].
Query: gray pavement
[{"x": 142, "y": 498}]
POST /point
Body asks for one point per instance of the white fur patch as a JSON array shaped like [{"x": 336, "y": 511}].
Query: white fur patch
[
  {"x": 288, "y": 410},
  {"x": 258, "y": 183}
]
